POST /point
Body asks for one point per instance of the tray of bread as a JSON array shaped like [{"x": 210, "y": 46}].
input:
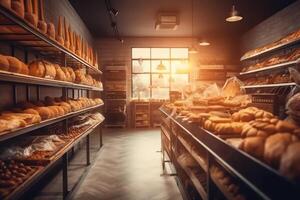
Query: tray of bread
[
  {"x": 35, "y": 150},
  {"x": 14, "y": 174}
]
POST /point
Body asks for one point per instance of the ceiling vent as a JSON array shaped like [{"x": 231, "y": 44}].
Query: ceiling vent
[{"x": 167, "y": 21}]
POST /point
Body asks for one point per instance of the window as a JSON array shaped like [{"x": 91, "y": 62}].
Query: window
[{"x": 157, "y": 71}]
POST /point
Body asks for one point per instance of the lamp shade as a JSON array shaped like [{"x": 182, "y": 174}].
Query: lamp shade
[
  {"x": 193, "y": 50},
  {"x": 234, "y": 15}
]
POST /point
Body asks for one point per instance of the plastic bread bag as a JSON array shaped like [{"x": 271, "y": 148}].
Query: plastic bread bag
[
  {"x": 212, "y": 90},
  {"x": 232, "y": 88}
]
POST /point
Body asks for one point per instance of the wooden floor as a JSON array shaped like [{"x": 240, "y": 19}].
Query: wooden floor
[{"x": 128, "y": 168}]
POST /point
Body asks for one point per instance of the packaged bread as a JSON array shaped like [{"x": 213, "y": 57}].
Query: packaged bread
[
  {"x": 15, "y": 65},
  {"x": 4, "y": 64},
  {"x": 290, "y": 162},
  {"x": 50, "y": 71},
  {"x": 275, "y": 146},
  {"x": 37, "y": 68},
  {"x": 18, "y": 7},
  {"x": 60, "y": 74}
]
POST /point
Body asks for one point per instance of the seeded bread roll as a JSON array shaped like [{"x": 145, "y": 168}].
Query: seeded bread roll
[
  {"x": 37, "y": 68},
  {"x": 4, "y": 64}
]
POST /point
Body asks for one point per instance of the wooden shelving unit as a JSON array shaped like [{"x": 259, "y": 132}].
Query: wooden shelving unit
[{"x": 141, "y": 114}]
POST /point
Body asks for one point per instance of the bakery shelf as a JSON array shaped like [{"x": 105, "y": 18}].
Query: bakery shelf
[
  {"x": 197, "y": 158},
  {"x": 16, "y": 194},
  {"x": 252, "y": 172},
  {"x": 269, "y": 85},
  {"x": 272, "y": 49},
  {"x": 16, "y": 30},
  {"x": 286, "y": 64},
  {"x": 21, "y": 78},
  {"x": 10, "y": 134},
  {"x": 194, "y": 180}
]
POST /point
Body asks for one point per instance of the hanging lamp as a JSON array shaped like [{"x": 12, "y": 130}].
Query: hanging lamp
[
  {"x": 161, "y": 67},
  {"x": 234, "y": 15},
  {"x": 193, "y": 49},
  {"x": 203, "y": 42}
]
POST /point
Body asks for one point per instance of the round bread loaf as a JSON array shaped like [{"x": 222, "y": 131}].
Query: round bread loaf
[
  {"x": 15, "y": 65},
  {"x": 37, "y": 68},
  {"x": 50, "y": 71},
  {"x": 4, "y": 64}
]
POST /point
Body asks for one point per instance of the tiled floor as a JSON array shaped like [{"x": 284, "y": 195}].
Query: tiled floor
[{"x": 128, "y": 168}]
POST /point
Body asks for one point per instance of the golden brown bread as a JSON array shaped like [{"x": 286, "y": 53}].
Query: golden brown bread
[
  {"x": 5, "y": 3},
  {"x": 31, "y": 111},
  {"x": 275, "y": 146},
  {"x": 44, "y": 112},
  {"x": 24, "y": 69},
  {"x": 254, "y": 146},
  {"x": 72, "y": 74},
  {"x": 290, "y": 162},
  {"x": 4, "y": 64},
  {"x": 15, "y": 65},
  {"x": 60, "y": 75},
  {"x": 285, "y": 126},
  {"x": 37, "y": 68},
  {"x": 18, "y": 7},
  {"x": 29, "y": 15},
  {"x": 51, "y": 30},
  {"x": 67, "y": 74},
  {"x": 59, "y": 36}
]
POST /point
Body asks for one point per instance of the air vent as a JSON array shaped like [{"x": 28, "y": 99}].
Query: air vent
[{"x": 167, "y": 21}]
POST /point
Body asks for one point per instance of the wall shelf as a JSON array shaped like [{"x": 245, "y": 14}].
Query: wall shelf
[{"x": 269, "y": 85}]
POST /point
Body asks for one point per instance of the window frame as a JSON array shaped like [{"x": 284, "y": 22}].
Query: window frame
[{"x": 157, "y": 59}]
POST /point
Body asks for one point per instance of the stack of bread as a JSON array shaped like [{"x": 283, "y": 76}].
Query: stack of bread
[
  {"x": 48, "y": 70},
  {"x": 27, "y": 113},
  {"x": 286, "y": 39},
  {"x": 32, "y": 11}
]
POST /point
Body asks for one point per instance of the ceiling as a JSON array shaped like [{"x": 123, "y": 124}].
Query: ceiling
[{"x": 136, "y": 18}]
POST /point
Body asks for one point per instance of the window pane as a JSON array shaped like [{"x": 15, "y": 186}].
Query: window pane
[
  {"x": 155, "y": 68},
  {"x": 160, "y": 80},
  {"x": 140, "y": 86},
  {"x": 140, "y": 53},
  {"x": 160, "y": 53},
  {"x": 178, "y": 81},
  {"x": 160, "y": 93},
  {"x": 141, "y": 66},
  {"x": 180, "y": 66},
  {"x": 179, "y": 53}
]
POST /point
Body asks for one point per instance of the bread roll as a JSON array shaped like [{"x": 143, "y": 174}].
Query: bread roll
[
  {"x": 18, "y": 7},
  {"x": 290, "y": 162},
  {"x": 44, "y": 112},
  {"x": 4, "y": 64},
  {"x": 50, "y": 71},
  {"x": 275, "y": 146},
  {"x": 254, "y": 146},
  {"x": 37, "y": 68},
  {"x": 15, "y": 65},
  {"x": 60, "y": 75}
]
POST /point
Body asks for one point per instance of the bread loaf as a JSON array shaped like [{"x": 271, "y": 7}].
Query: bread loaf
[
  {"x": 290, "y": 162},
  {"x": 72, "y": 74},
  {"x": 15, "y": 65},
  {"x": 59, "y": 36},
  {"x": 275, "y": 146},
  {"x": 60, "y": 75},
  {"x": 37, "y": 68},
  {"x": 24, "y": 69},
  {"x": 31, "y": 111},
  {"x": 67, "y": 36},
  {"x": 51, "y": 30},
  {"x": 42, "y": 25},
  {"x": 4, "y": 64},
  {"x": 44, "y": 112},
  {"x": 6, "y": 3},
  {"x": 254, "y": 146},
  {"x": 67, "y": 74},
  {"x": 18, "y": 7},
  {"x": 29, "y": 16}
]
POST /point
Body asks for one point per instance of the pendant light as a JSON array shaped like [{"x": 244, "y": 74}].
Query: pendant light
[
  {"x": 234, "y": 15},
  {"x": 193, "y": 49},
  {"x": 161, "y": 67},
  {"x": 203, "y": 42}
]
